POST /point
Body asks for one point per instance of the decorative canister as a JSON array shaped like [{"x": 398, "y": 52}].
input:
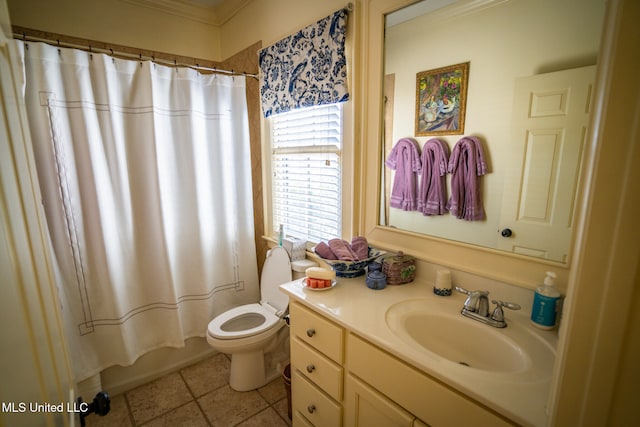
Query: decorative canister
[
  {"x": 374, "y": 266},
  {"x": 376, "y": 280},
  {"x": 399, "y": 268}
]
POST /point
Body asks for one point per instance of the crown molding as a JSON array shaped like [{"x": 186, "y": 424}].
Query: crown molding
[
  {"x": 440, "y": 10},
  {"x": 215, "y": 16}
]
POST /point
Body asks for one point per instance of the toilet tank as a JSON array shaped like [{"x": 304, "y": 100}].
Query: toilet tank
[{"x": 299, "y": 267}]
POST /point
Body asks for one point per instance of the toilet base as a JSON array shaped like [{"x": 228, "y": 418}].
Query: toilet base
[
  {"x": 253, "y": 369},
  {"x": 247, "y": 371}
]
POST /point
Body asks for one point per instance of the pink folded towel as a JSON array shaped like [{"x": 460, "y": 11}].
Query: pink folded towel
[
  {"x": 343, "y": 250},
  {"x": 361, "y": 247},
  {"x": 325, "y": 251}
]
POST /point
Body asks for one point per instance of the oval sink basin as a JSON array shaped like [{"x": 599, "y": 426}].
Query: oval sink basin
[{"x": 439, "y": 328}]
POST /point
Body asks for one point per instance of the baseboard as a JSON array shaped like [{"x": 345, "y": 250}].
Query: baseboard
[{"x": 117, "y": 380}]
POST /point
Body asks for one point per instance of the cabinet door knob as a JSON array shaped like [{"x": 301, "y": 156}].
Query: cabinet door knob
[
  {"x": 310, "y": 368},
  {"x": 311, "y": 408},
  {"x": 311, "y": 332}
]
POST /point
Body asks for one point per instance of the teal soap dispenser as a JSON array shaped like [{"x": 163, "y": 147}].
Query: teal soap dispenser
[{"x": 545, "y": 301}]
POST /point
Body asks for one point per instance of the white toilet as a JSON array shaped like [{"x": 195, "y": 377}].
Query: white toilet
[{"x": 255, "y": 334}]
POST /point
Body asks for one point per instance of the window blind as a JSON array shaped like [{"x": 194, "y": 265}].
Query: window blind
[{"x": 306, "y": 164}]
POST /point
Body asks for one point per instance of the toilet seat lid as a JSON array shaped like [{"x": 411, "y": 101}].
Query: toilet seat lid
[
  {"x": 241, "y": 322},
  {"x": 275, "y": 271}
]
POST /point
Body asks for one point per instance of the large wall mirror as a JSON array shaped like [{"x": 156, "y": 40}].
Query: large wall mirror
[
  {"x": 515, "y": 49},
  {"x": 531, "y": 74}
]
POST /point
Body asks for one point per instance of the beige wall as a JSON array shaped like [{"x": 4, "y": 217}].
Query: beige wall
[
  {"x": 271, "y": 20},
  {"x": 132, "y": 24},
  {"x": 121, "y": 22},
  {"x": 33, "y": 354}
]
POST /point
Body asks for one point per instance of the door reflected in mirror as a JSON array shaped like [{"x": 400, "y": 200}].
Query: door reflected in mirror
[{"x": 531, "y": 73}]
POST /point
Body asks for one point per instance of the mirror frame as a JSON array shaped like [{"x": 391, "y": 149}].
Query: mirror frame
[{"x": 506, "y": 267}]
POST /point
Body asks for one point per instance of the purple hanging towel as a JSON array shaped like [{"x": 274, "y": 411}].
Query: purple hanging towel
[
  {"x": 405, "y": 160},
  {"x": 432, "y": 195},
  {"x": 466, "y": 164}
]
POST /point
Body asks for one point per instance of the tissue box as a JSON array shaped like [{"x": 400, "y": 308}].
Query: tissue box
[{"x": 296, "y": 248}]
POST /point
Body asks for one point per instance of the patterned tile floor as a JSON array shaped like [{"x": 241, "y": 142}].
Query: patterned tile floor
[{"x": 198, "y": 395}]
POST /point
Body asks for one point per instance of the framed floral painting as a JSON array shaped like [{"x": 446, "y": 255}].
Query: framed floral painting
[{"x": 441, "y": 100}]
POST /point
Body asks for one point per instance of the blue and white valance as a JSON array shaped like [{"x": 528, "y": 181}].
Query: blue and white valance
[{"x": 307, "y": 68}]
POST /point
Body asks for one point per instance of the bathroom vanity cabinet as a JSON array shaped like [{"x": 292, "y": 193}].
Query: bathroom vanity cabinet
[
  {"x": 340, "y": 378},
  {"x": 317, "y": 373}
]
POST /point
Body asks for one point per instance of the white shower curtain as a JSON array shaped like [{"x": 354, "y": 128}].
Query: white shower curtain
[{"x": 146, "y": 181}]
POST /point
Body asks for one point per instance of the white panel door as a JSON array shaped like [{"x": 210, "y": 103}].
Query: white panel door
[{"x": 550, "y": 118}]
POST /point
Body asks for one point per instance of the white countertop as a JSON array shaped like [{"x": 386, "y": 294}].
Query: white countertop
[{"x": 362, "y": 310}]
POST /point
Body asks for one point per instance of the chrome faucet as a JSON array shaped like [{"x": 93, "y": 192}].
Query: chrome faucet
[{"x": 476, "y": 307}]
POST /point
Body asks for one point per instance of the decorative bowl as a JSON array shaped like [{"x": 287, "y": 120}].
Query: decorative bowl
[{"x": 349, "y": 269}]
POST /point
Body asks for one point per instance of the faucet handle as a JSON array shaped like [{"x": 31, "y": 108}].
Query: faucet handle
[
  {"x": 509, "y": 305},
  {"x": 498, "y": 313},
  {"x": 462, "y": 290},
  {"x": 473, "y": 294}
]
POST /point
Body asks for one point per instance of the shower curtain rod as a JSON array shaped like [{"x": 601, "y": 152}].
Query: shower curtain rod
[{"x": 118, "y": 52}]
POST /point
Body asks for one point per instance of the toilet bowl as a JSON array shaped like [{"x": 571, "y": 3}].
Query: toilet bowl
[{"x": 255, "y": 334}]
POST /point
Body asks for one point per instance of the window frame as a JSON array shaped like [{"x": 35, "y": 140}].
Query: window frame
[{"x": 346, "y": 168}]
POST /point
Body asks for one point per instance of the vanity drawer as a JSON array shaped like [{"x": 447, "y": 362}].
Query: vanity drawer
[
  {"x": 313, "y": 404},
  {"x": 318, "y": 368},
  {"x": 427, "y": 398},
  {"x": 316, "y": 331}
]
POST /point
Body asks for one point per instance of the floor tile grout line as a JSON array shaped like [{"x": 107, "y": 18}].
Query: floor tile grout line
[
  {"x": 256, "y": 414},
  {"x": 287, "y": 421},
  {"x": 195, "y": 399},
  {"x": 162, "y": 414},
  {"x": 203, "y": 413},
  {"x": 129, "y": 411},
  {"x": 186, "y": 383},
  {"x": 264, "y": 396}
]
